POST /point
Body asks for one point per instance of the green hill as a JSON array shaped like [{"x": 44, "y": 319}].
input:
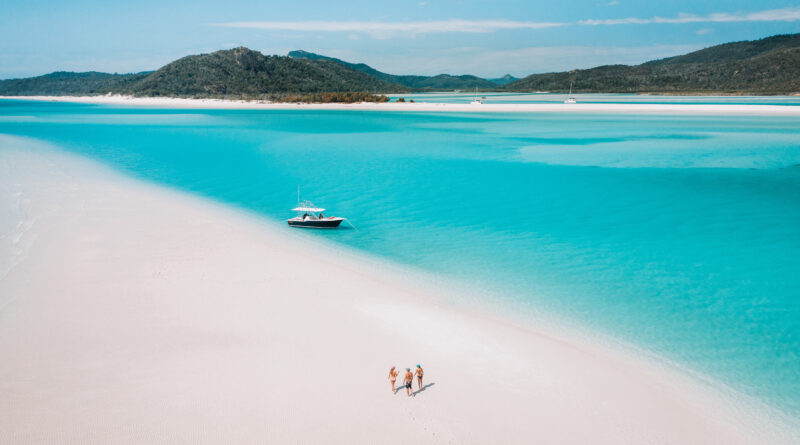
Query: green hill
[
  {"x": 63, "y": 83},
  {"x": 415, "y": 83},
  {"x": 766, "y": 66},
  {"x": 508, "y": 78},
  {"x": 238, "y": 72},
  {"x": 244, "y": 72}
]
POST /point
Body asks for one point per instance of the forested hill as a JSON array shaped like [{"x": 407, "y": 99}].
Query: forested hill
[
  {"x": 245, "y": 72},
  {"x": 239, "y": 72},
  {"x": 766, "y": 66},
  {"x": 508, "y": 78},
  {"x": 415, "y": 83},
  {"x": 63, "y": 83}
]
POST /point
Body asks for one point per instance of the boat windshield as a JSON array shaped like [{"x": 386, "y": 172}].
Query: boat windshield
[{"x": 307, "y": 207}]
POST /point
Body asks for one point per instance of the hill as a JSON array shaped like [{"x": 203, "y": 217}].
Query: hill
[
  {"x": 64, "y": 83},
  {"x": 766, "y": 66},
  {"x": 415, "y": 83},
  {"x": 238, "y": 72},
  {"x": 244, "y": 72},
  {"x": 508, "y": 78}
]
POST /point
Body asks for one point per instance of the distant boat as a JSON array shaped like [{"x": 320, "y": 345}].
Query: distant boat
[
  {"x": 310, "y": 216},
  {"x": 476, "y": 101},
  {"x": 570, "y": 99}
]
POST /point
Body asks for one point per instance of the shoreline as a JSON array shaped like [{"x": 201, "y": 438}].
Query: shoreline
[
  {"x": 632, "y": 108},
  {"x": 208, "y": 293}
]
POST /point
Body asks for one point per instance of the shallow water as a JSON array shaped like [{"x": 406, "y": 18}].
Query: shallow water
[
  {"x": 539, "y": 98},
  {"x": 679, "y": 234}
]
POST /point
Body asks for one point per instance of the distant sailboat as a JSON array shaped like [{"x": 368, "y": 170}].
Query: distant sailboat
[
  {"x": 570, "y": 99},
  {"x": 476, "y": 101}
]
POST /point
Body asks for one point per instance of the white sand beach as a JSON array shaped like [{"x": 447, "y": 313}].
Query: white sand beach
[
  {"x": 633, "y": 108},
  {"x": 132, "y": 313}
]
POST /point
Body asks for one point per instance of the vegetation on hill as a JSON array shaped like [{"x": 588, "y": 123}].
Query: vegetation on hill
[
  {"x": 238, "y": 73},
  {"x": 766, "y": 66},
  {"x": 63, "y": 83},
  {"x": 327, "y": 98},
  {"x": 440, "y": 82},
  {"x": 508, "y": 78},
  {"x": 247, "y": 73}
]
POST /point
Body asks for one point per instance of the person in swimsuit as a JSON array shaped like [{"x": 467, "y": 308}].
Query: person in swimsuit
[
  {"x": 409, "y": 378},
  {"x": 419, "y": 373},
  {"x": 393, "y": 378}
]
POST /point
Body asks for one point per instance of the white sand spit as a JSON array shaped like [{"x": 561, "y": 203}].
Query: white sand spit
[
  {"x": 631, "y": 108},
  {"x": 135, "y": 314}
]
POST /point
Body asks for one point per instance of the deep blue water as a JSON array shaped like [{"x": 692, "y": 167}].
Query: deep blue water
[{"x": 679, "y": 234}]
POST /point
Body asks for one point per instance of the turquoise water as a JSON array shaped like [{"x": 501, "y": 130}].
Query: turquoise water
[{"x": 679, "y": 234}]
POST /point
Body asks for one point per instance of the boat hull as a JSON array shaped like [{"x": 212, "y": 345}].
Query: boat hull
[{"x": 330, "y": 223}]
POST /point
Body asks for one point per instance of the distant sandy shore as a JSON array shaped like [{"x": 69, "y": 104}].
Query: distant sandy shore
[
  {"x": 713, "y": 109},
  {"x": 131, "y": 313}
]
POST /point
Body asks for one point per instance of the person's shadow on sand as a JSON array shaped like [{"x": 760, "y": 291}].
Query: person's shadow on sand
[
  {"x": 396, "y": 389},
  {"x": 423, "y": 388}
]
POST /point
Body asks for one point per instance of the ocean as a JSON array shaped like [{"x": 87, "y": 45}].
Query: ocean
[{"x": 679, "y": 235}]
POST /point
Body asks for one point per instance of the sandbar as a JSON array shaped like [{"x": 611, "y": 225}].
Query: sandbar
[
  {"x": 134, "y": 313},
  {"x": 592, "y": 108}
]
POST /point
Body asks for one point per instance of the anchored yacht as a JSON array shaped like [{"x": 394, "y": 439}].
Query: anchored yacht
[{"x": 310, "y": 216}]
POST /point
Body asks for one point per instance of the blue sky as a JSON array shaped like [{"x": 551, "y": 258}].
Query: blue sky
[{"x": 486, "y": 38}]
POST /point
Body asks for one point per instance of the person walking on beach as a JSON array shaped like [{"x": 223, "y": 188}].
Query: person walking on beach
[
  {"x": 393, "y": 378},
  {"x": 409, "y": 378},
  {"x": 419, "y": 373}
]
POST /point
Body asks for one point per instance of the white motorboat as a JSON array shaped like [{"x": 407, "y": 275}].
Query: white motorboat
[{"x": 310, "y": 216}]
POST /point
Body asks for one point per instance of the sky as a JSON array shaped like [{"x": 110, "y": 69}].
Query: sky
[{"x": 485, "y": 38}]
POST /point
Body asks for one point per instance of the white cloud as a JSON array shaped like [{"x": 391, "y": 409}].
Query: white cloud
[
  {"x": 704, "y": 31},
  {"x": 486, "y": 62},
  {"x": 382, "y": 28},
  {"x": 772, "y": 15}
]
